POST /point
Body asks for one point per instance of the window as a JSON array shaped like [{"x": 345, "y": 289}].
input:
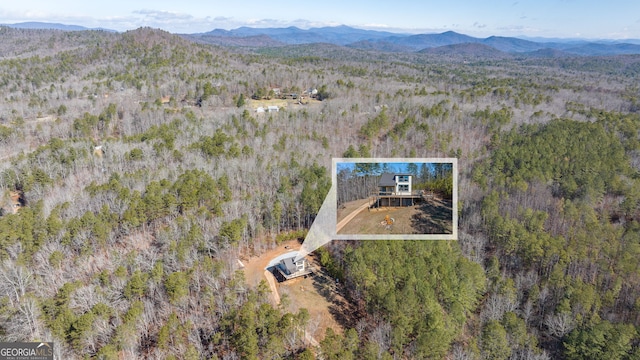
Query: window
[
  {"x": 403, "y": 178},
  {"x": 403, "y": 188}
]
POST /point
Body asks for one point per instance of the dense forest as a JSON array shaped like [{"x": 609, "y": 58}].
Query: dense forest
[{"x": 135, "y": 171}]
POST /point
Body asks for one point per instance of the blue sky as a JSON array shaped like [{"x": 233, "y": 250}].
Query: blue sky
[
  {"x": 591, "y": 19},
  {"x": 396, "y": 167}
]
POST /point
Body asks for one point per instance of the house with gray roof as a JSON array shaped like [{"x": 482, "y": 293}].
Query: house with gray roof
[
  {"x": 395, "y": 184},
  {"x": 288, "y": 269},
  {"x": 395, "y": 189}
]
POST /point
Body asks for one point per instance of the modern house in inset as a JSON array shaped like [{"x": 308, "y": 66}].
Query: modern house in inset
[
  {"x": 396, "y": 190},
  {"x": 395, "y": 184}
]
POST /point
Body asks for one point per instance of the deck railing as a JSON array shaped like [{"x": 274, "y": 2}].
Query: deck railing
[{"x": 392, "y": 193}]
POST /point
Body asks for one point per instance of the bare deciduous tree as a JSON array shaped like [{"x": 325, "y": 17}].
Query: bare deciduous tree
[
  {"x": 16, "y": 281},
  {"x": 558, "y": 325}
]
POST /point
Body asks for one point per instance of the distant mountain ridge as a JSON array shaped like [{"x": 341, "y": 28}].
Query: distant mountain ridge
[
  {"x": 337, "y": 35},
  {"x": 395, "y": 42},
  {"x": 468, "y": 50},
  {"x": 36, "y": 25},
  {"x": 391, "y": 42}
]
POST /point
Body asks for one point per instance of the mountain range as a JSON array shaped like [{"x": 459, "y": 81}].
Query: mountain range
[
  {"x": 394, "y": 42},
  {"x": 51, "y": 26},
  {"x": 449, "y": 42}
]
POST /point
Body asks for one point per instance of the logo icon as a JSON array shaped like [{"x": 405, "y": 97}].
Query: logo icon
[{"x": 26, "y": 351}]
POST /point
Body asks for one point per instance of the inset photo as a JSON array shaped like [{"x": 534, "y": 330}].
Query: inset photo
[{"x": 408, "y": 198}]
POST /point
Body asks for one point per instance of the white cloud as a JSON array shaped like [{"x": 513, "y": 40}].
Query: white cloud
[
  {"x": 516, "y": 30},
  {"x": 307, "y": 24},
  {"x": 377, "y": 26},
  {"x": 389, "y": 28},
  {"x": 168, "y": 16},
  {"x": 266, "y": 23}
]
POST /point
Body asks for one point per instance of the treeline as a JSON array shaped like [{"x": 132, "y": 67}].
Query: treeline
[
  {"x": 361, "y": 180},
  {"x": 549, "y": 215},
  {"x": 436, "y": 178},
  {"x": 420, "y": 294},
  {"x": 581, "y": 159}
]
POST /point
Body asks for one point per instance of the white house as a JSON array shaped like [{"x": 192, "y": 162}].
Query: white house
[
  {"x": 395, "y": 184},
  {"x": 290, "y": 267}
]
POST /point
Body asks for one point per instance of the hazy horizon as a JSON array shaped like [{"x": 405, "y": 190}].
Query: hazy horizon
[
  {"x": 617, "y": 19},
  {"x": 398, "y": 32}
]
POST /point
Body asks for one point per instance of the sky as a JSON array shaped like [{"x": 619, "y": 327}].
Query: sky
[
  {"x": 587, "y": 19},
  {"x": 396, "y": 167}
]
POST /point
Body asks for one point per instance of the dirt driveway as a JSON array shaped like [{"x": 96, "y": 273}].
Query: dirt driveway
[
  {"x": 318, "y": 293},
  {"x": 254, "y": 267}
]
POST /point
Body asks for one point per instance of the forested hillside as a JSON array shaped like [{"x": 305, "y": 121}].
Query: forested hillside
[{"x": 135, "y": 171}]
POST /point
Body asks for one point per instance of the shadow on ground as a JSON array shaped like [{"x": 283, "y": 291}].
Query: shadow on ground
[
  {"x": 276, "y": 274},
  {"x": 435, "y": 217},
  {"x": 342, "y": 311}
]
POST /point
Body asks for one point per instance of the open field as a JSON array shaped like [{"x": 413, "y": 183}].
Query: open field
[
  {"x": 266, "y": 103},
  {"x": 282, "y": 103},
  {"x": 322, "y": 297},
  {"x": 431, "y": 217}
]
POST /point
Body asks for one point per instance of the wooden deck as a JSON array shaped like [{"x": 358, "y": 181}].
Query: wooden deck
[
  {"x": 377, "y": 199},
  {"x": 283, "y": 276}
]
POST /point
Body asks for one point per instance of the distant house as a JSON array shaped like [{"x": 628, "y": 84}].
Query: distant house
[
  {"x": 262, "y": 109},
  {"x": 17, "y": 201},
  {"x": 379, "y": 108},
  {"x": 97, "y": 151},
  {"x": 395, "y": 184}
]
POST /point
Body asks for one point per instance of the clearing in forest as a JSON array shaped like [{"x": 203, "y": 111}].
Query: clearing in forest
[
  {"x": 282, "y": 103},
  {"x": 434, "y": 216},
  {"x": 318, "y": 293}
]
